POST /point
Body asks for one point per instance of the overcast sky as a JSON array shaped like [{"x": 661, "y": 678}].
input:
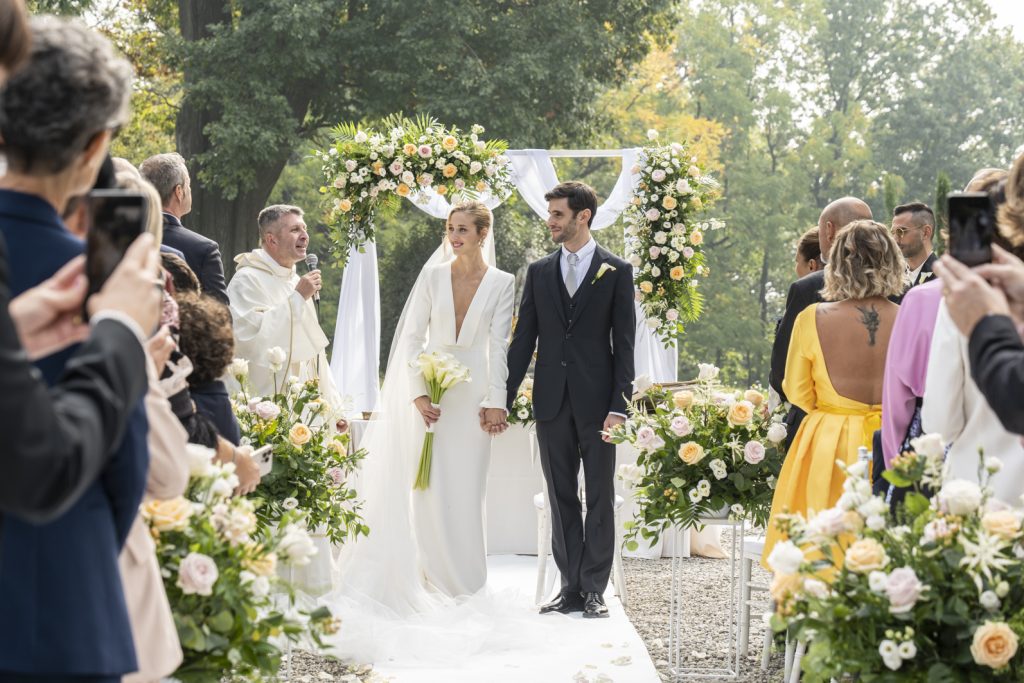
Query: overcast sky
[{"x": 1010, "y": 13}]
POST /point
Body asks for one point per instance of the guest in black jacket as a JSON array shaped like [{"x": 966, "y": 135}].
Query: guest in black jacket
[
  {"x": 169, "y": 174},
  {"x": 807, "y": 291}
]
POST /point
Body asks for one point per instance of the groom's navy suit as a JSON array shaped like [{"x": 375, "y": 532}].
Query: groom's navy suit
[{"x": 584, "y": 371}]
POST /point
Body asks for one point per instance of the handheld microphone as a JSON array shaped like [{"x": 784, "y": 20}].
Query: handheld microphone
[{"x": 311, "y": 263}]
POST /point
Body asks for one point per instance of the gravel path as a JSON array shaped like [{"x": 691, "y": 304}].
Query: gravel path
[{"x": 649, "y": 583}]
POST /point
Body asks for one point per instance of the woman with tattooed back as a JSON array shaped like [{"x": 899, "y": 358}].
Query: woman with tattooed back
[{"x": 835, "y": 366}]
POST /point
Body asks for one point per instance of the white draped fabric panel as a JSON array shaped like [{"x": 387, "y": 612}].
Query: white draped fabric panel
[{"x": 356, "y": 350}]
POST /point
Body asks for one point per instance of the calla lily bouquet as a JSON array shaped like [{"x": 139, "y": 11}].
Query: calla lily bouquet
[
  {"x": 219, "y": 569},
  {"x": 703, "y": 451},
  {"x": 312, "y": 460},
  {"x": 440, "y": 371},
  {"x": 934, "y": 594}
]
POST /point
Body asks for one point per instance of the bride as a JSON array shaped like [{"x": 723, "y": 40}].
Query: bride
[{"x": 427, "y": 547}]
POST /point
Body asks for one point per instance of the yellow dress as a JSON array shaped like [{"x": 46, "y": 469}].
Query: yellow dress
[{"x": 835, "y": 427}]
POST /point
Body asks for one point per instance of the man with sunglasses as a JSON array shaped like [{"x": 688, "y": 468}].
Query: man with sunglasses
[{"x": 913, "y": 226}]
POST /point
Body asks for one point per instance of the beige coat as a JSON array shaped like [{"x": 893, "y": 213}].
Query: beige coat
[{"x": 156, "y": 637}]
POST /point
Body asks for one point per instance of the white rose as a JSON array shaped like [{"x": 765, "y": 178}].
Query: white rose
[
  {"x": 297, "y": 546},
  {"x": 652, "y": 134},
  {"x": 875, "y": 522},
  {"x": 960, "y": 497},
  {"x": 238, "y": 366},
  {"x": 827, "y": 523},
  {"x": 989, "y": 600},
  {"x": 196, "y": 574},
  {"x": 707, "y": 372},
  {"x": 815, "y": 588},
  {"x": 660, "y": 237},
  {"x": 785, "y": 558},
  {"x": 630, "y": 473},
  {"x": 200, "y": 460},
  {"x": 634, "y": 260},
  {"x": 360, "y": 137},
  {"x": 928, "y": 445},
  {"x": 777, "y": 432},
  {"x": 260, "y": 587},
  {"x": 276, "y": 357},
  {"x": 642, "y": 383}
]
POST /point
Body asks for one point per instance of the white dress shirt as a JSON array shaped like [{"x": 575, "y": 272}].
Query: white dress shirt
[{"x": 585, "y": 254}]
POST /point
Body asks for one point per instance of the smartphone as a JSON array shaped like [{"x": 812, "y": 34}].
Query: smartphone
[
  {"x": 114, "y": 219},
  {"x": 972, "y": 225},
  {"x": 264, "y": 457}
]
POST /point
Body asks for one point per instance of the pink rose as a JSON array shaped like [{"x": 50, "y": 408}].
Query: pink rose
[
  {"x": 753, "y": 452},
  {"x": 681, "y": 426},
  {"x": 196, "y": 574},
  {"x": 336, "y": 475},
  {"x": 396, "y": 167},
  {"x": 672, "y": 314},
  {"x": 253, "y": 402},
  {"x": 658, "y": 175},
  {"x": 652, "y": 214},
  {"x": 903, "y": 588},
  {"x": 647, "y": 439},
  {"x": 425, "y": 151},
  {"x": 655, "y": 252},
  {"x": 266, "y": 410},
  {"x": 688, "y": 252}
]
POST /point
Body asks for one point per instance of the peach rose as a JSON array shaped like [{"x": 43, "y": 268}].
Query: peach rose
[
  {"x": 994, "y": 644},
  {"x": 408, "y": 149},
  {"x": 691, "y": 452},
  {"x": 740, "y": 413},
  {"x": 696, "y": 238},
  {"x": 1002, "y": 523},
  {"x": 669, "y": 202},
  {"x": 646, "y": 287},
  {"x": 167, "y": 515},
  {"x": 344, "y": 205},
  {"x": 299, "y": 434},
  {"x": 676, "y": 273},
  {"x": 449, "y": 171},
  {"x": 754, "y": 396},
  {"x": 682, "y": 399},
  {"x": 441, "y": 190},
  {"x": 449, "y": 143},
  {"x": 866, "y": 555},
  {"x": 402, "y": 190},
  {"x": 696, "y": 203},
  {"x": 784, "y": 586},
  {"x": 481, "y": 186}
]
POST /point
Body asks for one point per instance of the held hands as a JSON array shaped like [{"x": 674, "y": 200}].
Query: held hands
[
  {"x": 427, "y": 410},
  {"x": 309, "y": 284},
  {"x": 494, "y": 421},
  {"x": 610, "y": 423}
]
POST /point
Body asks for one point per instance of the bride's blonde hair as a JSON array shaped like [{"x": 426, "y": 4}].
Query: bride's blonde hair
[{"x": 478, "y": 211}]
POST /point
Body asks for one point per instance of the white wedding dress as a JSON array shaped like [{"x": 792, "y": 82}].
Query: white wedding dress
[{"x": 415, "y": 587}]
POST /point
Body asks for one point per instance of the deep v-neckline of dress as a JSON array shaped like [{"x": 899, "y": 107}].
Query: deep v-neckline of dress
[{"x": 469, "y": 309}]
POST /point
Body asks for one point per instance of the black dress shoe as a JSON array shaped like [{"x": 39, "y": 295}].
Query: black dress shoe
[
  {"x": 564, "y": 604},
  {"x": 594, "y": 607}
]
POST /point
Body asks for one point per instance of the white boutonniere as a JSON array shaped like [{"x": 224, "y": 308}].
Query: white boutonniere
[{"x": 601, "y": 271}]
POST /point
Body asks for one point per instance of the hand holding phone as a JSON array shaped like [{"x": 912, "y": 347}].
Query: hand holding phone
[
  {"x": 264, "y": 458},
  {"x": 972, "y": 225},
  {"x": 114, "y": 219}
]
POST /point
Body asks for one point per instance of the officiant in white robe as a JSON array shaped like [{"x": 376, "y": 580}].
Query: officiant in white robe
[{"x": 272, "y": 306}]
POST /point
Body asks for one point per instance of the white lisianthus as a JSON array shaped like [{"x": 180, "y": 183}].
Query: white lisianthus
[
  {"x": 718, "y": 468},
  {"x": 634, "y": 260},
  {"x": 656, "y": 271},
  {"x": 652, "y": 134},
  {"x": 785, "y": 558},
  {"x": 959, "y": 497},
  {"x": 289, "y": 503},
  {"x": 523, "y": 414},
  {"x": 260, "y": 587},
  {"x": 361, "y": 137},
  {"x": 1002, "y": 589},
  {"x": 877, "y": 581},
  {"x": 660, "y": 237},
  {"x": 827, "y": 523},
  {"x": 704, "y": 488},
  {"x": 875, "y": 522},
  {"x": 737, "y": 509},
  {"x": 694, "y": 496},
  {"x": 630, "y": 473},
  {"x": 993, "y": 464},
  {"x": 907, "y": 649},
  {"x": 200, "y": 460},
  {"x": 224, "y": 485}
]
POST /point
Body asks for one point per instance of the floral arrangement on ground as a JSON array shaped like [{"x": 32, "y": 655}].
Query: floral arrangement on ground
[
  {"x": 665, "y": 240},
  {"x": 219, "y": 568},
  {"x": 936, "y": 594},
  {"x": 703, "y": 451},
  {"x": 311, "y": 462},
  {"x": 368, "y": 169}
]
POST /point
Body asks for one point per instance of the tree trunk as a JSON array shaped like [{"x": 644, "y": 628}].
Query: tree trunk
[{"x": 230, "y": 222}]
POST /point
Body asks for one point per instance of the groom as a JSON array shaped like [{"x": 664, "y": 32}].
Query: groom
[{"x": 577, "y": 311}]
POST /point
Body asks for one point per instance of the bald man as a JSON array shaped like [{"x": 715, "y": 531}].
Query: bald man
[{"x": 807, "y": 291}]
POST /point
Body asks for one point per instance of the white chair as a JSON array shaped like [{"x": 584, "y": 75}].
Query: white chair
[
  {"x": 540, "y": 501},
  {"x": 753, "y": 547}
]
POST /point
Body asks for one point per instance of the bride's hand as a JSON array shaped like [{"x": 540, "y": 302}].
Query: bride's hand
[{"x": 427, "y": 410}]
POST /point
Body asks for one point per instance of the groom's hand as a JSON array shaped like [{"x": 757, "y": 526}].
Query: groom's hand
[
  {"x": 495, "y": 420},
  {"x": 610, "y": 423}
]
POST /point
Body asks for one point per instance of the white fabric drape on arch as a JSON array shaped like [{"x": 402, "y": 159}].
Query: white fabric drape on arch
[{"x": 355, "y": 354}]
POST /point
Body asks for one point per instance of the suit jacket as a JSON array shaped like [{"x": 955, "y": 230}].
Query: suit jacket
[
  {"x": 997, "y": 367},
  {"x": 923, "y": 276},
  {"x": 587, "y": 352},
  {"x": 213, "y": 401},
  {"x": 201, "y": 254},
  {"x": 62, "y": 607},
  {"x": 58, "y": 440}
]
